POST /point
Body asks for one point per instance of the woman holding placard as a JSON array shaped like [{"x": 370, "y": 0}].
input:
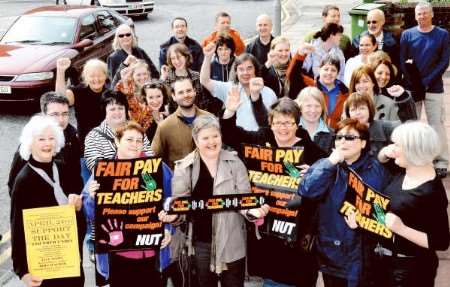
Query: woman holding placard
[
  {"x": 217, "y": 240},
  {"x": 129, "y": 267},
  {"x": 418, "y": 208},
  {"x": 284, "y": 132},
  {"x": 42, "y": 183},
  {"x": 339, "y": 248}
]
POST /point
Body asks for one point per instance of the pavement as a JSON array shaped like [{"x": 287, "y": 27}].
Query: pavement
[{"x": 299, "y": 18}]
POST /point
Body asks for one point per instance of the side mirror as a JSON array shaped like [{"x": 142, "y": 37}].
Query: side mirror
[{"x": 83, "y": 44}]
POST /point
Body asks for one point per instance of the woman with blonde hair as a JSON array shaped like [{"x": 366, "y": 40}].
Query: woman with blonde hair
[
  {"x": 85, "y": 97},
  {"x": 415, "y": 193},
  {"x": 313, "y": 117},
  {"x": 126, "y": 51},
  {"x": 131, "y": 85},
  {"x": 275, "y": 68}
]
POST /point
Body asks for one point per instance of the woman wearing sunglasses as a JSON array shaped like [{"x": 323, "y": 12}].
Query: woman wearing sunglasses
[
  {"x": 126, "y": 51},
  {"x": 339, "y": 248}
]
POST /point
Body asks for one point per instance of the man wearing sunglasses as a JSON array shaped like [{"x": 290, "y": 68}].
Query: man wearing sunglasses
[{"x": 386, "y": 41}]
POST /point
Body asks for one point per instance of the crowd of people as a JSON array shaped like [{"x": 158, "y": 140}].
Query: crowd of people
[{"x": 350, "y": 104}]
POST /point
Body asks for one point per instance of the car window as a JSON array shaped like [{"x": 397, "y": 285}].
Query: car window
[
  {"x": 87, "y": 28},
  {"x": 41, "y": 30},
  {"x": 105, "y": 22}
]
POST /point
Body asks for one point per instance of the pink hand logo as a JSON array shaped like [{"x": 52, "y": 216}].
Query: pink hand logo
[{"x": 115, "y": 233}]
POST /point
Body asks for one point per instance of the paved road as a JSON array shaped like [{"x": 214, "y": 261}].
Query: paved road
[{"x": 151, "y": 31}]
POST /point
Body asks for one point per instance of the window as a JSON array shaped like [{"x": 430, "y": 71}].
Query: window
[
  {"x": 87, "y": 29},
  {"x": 106, "y": 22}
]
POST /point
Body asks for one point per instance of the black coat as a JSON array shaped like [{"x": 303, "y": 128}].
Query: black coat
[
  {"x": 31, "y": 191},
  {"x": 69, "y": 156},
  {"x": 115, "y": 59}
]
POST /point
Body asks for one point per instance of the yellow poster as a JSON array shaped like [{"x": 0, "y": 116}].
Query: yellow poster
[{"x": 51, "y": 239}]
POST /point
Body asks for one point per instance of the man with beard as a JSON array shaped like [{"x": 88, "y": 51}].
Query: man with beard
[{"x": 173, "y": 139}]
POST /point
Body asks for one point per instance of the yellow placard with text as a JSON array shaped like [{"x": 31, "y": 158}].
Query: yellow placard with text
[{"x": 51, "y": 239}]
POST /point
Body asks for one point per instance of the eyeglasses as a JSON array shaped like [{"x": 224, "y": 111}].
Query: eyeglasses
[
  {"x": 283, "y": 124},
  {"x": 346, "y": 137},
  {"x": 124, "y": 35},
  {"x": 372, "y": 22}
]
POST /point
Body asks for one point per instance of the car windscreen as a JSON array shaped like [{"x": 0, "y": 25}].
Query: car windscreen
[{"x": 41, "y": 30}]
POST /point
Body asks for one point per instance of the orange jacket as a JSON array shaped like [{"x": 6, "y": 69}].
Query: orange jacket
[
  {"x": 292, "y": 74},
  {"x": 238, "y": 43}
]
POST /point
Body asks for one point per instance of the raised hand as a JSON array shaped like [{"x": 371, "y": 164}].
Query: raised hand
[
  {"x": 164, "y": 72},
  {"x": 114, "y": 231},
  {"x": 62, "y": 64},
  {"x": 209, "y": 49},
  {"x": 130, "y": 60},
  {"x": 336, "y": 156},
  {"x": 272, "y": 58},
  {"x": 395, "y": 91},
  {"x": 234, "y": 99},
  {"x": 256, "y": 85},
  {"x": 305, "y": 48},
  {"x": 125, "y": 73}
]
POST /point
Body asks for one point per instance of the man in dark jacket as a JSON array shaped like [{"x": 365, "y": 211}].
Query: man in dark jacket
[
  {"x": 260, "y": 46},
  {"x": 56, "y": 106},
  {"x": 386, "y": 41},
  {"x": 179, "y": 29}
]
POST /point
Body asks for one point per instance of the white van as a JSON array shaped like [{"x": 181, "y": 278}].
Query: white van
[{"x": 124, "y": 7}]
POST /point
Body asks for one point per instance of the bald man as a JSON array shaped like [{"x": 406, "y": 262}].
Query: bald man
[
  {"x": 385, "y": 39},
  {"x": 260, "y": 46}
]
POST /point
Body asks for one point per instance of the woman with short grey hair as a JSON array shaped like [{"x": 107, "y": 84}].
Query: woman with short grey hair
[
  {"x": 218, "y": 241},
  {"x": 418, "y": 208},
  {"x": 42, "y": 182}
]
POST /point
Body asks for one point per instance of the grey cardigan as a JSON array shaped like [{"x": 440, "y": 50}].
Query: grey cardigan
[{"x": 229, "y": 231}]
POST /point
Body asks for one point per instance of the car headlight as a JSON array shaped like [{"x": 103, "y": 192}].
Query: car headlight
[{"x": 34, "y": 77}]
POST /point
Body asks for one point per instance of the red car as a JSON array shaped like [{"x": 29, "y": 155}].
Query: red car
[{"x": 32, "y": 44}]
